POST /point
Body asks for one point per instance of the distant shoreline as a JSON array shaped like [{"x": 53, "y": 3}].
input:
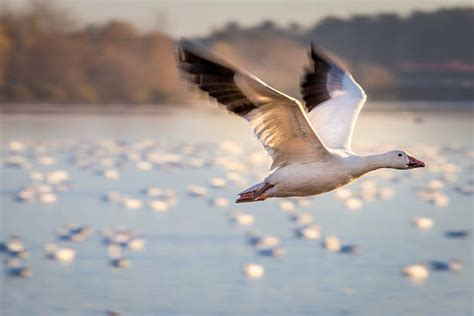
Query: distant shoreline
[{"x": 143, "y": 109}]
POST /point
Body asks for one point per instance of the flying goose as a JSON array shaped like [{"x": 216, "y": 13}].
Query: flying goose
[{"x": 310, "y": 145}]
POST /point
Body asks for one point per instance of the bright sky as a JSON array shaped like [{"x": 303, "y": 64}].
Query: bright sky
[{"x": 199, "y": 17}]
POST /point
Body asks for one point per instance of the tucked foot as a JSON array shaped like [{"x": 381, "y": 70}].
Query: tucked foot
[
  {"x": 254, "y": 195},
  {"x": 246, "y": 197}
]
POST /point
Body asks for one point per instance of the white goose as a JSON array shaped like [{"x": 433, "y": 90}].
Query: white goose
[{"x": 310, "y": 146}]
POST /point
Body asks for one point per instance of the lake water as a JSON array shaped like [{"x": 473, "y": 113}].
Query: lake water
[{"x": 192, "y": 262}]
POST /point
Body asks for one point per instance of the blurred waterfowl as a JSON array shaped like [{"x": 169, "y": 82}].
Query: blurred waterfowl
[
  {"x": 26, "y": 195},
  {"x": 136, "y": 244},
  {"x": 37, "y": 193},
  {"x": 454, "y": 265},
  {"x": 3, "y": 246},
  {"x": 242, "y": 219},
  {"x": 467, "y": 189},
  {"x": 117, "y": 235},
  {"x": 16, "y": 145},
  {"x": 266, "y": 241},
  {"x": 332, "y": 243},
  {"x": 437, "y": 198},
  {"x": 15, "y": 268},
  {"x": 114, "y": 251},
  {"x": 153, "y": 191},
  {"x": 73, "y": 232},
  {"x": 354, "y": 203},
  {"x": 423, "y": 222},
  {"x": 121, "y": 241},
  {"x": 262, "y": 241},
  {"x": 195, "y": 190},
  {"x": 57, "y": 176},
  {"x": 49, "y": 250},
  {"x": 252, "y": 237},
  {"x": 221, "y": 202},
  {"x": 48, "y": 198},
  {"x": 17, "y": 161},
  {"x": 311, "y": 231},
  {"x": 217, "y": 182},
  {"x": 131, "y": 203},
  {"x": 15, "y": 245},
  {"x": 121, "y": 263},
  {"x": 439, "y": 265},
  {"x": 113, "y": 197},
  {"x": 349, "y": 249},
  {"x": 416, "y": 272},
  {"x": 272, "y": 252},
  {"x": 310, "y": 145},
  {"x": 158, "y": 206},
  {"x": 122, "y": 237},
  {"x": 144, "y": 165},
  {"x": 457, "y": 234},
  {"x": 118, "y": 240},
  {"x": 287, "y": 206},
  {"x": 111, "y": 174},
  {"x": 301, "y": 218},
  {"x": 253, "y": 270},
  {"x": 65, "y": 255}
]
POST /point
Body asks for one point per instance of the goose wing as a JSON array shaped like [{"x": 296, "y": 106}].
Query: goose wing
[
  {"x": 279, "y": 121},
  {"x": 333, "y": 100}
]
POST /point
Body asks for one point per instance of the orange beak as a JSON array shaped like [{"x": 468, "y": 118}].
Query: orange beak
[{"x": 415, "y": 163}]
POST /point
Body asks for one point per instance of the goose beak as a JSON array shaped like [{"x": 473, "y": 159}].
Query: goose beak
[{"x": 415, "y": 163}]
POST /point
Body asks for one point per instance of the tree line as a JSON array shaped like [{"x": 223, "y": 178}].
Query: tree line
[{"x": 46, "y": 57}]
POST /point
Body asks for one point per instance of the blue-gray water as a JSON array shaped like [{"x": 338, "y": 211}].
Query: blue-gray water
[{"x": 192, "y": 264}]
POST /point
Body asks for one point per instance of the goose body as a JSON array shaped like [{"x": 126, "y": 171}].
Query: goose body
[
  {"x": 310, "y": 145},
  {"x": 310, "y": 179}
]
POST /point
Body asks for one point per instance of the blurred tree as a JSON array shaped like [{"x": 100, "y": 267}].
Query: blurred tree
[
  {"x": 4, "y": 54},
  {"x": 45, "y": 56}
]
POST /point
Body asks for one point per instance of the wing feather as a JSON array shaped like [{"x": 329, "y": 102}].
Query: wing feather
[
  {"x": 279, "y": 121},
  {"x": 333, "y": 99}
]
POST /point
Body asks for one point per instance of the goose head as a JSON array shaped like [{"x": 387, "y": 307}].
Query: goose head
[{"x": 398, "y": 159}]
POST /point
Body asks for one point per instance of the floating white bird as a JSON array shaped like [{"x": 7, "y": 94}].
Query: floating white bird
[
  {"x": 417, "y": 272},
  {"x": 253, "y": 270},
  {"x": 310, "y": 145}
]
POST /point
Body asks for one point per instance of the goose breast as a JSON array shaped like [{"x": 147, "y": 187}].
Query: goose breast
[{"x": 308, "y": 179}]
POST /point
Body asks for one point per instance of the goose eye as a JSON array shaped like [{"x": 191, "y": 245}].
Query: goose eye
[{"x": 399, "y": 155}]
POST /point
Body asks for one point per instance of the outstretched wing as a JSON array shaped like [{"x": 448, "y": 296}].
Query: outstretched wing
[
  {"x": 279, "y": 121},
  {"x": 333, "y": 99}
]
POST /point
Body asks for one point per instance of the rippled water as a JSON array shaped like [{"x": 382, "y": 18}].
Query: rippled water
[{"x": 194, "y": 254}]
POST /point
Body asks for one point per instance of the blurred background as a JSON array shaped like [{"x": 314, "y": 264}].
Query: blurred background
[
  {"x": 123, "y": 51},
  {"x": 117, "y": 182}
]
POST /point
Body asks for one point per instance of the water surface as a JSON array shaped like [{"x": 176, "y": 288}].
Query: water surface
[{"x": 193, "y": 257}]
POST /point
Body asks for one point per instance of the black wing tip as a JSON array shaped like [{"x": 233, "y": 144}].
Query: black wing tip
[
  {"x": 208, "y": 73},
  {"x": 318, "y": 54},
  {"x": 188, "y": 50}
]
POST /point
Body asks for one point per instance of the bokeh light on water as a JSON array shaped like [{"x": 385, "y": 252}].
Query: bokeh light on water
[{"x": 135, "y": 214}]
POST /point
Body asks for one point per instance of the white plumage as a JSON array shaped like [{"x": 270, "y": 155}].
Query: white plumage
[{"x": 310, "y": 145}]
